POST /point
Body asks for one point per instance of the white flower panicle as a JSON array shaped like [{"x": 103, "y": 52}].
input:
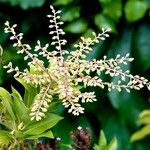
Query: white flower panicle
[
  {"x": 42, "y": 100},
  {"x": 11, "y": 69},
  {"x": 65, "y": 76},
  {"x": 83, "y": 47},
  {"x": 56, "y": 31}
]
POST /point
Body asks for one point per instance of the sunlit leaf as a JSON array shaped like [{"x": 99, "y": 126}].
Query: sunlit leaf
[
  {"x": 19, "y": 106},
  {"x": 30, "y": 93},
  {"x": 102, "y": 145},
  {"x": 102, "y": 140},
  {"x": 114, "y": 125},
  {"x": 5, "y": 137},
  {"x": 7, "y": 100},
  {"x": 144, "y": 117},
  {"x": 140, "y": 134},
  {"x": 47, "y": 134},
  {"x": 113, "y": 145},
  {"x": 42, "y": 125}
]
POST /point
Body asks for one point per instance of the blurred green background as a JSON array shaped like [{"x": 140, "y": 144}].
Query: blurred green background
[{"x": 115, "y": 113}]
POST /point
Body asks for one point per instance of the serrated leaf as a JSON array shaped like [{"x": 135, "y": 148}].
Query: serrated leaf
[
  {"x": 135, "y": 10},
  {"x": 41, "y": 126}
]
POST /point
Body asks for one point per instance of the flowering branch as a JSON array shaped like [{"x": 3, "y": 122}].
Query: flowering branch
[{"x": 64, "y": 76}]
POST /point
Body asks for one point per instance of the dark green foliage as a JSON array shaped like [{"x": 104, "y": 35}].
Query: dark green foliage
[
  {"x": 116, "y": 113},
  {"x": 24, "y": 4}
]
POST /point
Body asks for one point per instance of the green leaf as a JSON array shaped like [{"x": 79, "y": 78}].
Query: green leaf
[
  {"x": 76, "y": 27},
  {"x": 142, "y": 47},
  {"x": 125, "y": 100},
  {"x": 62, "y": 2},
  {"x": 114, "y": 125},
  {"x": 25, "y": 4},
  {"x": 47, "y": 134},
  {"x": 41, "y": 126},
  {"x": 16, "y": 93},
  {"x": 141, "y": 133},
  {"x": 135, "y": 10},
  {"x": 5, "y": 137},
  {"x": 12, "y": 2},
  {"x": 121, "y": 45},
  {"x": 103, "y": 21},
  {"x": 7, "y": 100},
  {"x": 113, "y": 9},
  {"x": 105, "y": 1},
  {"x": 19, "y": 107},
  {"x": 95, "y": 147},
  {"x": 145, "y": 120},
  {"x": 66, "y": 147},
  {"x": 102, "y": 140},
  {"x": 113, "y": 144},
  {"x": 3, "y": 35},
  {"x": 30, "y": 92},
  {"x": 70, "y": 14},
  {"x": 66, "y": 125},
  {"x": 102, "y": 144},
  {"x": 145, "y": 117},
  {"x": 53, "y": 106}
]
